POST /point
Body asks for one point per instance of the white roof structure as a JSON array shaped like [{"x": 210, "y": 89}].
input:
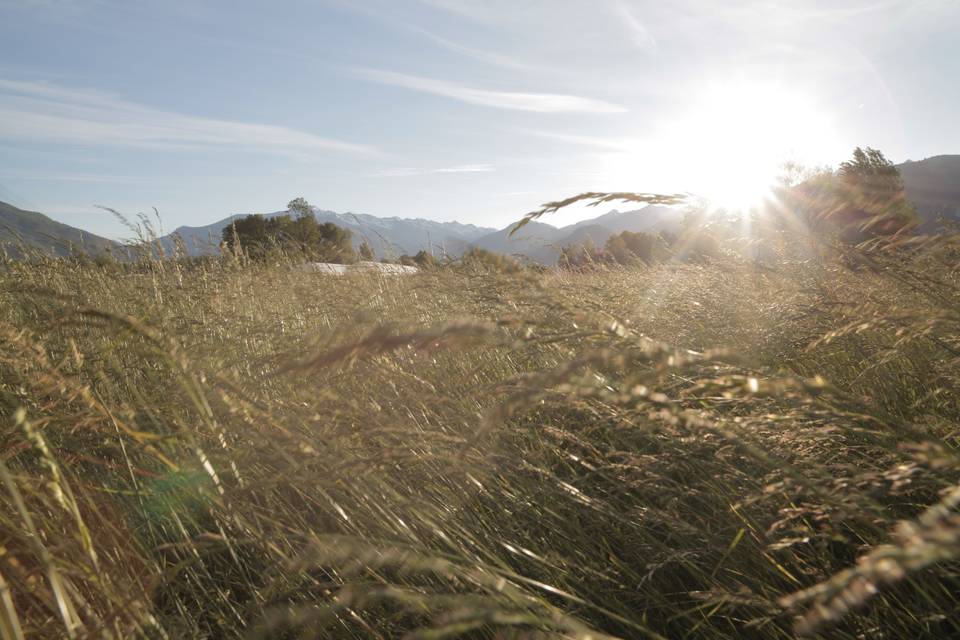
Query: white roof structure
[{"x": 330, "y": 268}]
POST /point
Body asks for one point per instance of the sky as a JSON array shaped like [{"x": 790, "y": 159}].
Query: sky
[{"x": 468, "y": 110}]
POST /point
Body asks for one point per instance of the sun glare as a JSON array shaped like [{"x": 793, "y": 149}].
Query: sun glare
[
  {"x": 746, "y": 133},
  {"x": 729, "y": 147}
]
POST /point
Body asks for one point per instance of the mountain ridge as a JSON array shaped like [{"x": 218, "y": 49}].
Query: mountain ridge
[
  {"x": 932, "y": 185},
  {"x": 542, "y": 242},
  {"x": 389, "y": 236},
  {"x": 34, "y": 229}
]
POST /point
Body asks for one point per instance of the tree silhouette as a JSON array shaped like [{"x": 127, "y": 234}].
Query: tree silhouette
[{"x": 870, "y": 171}]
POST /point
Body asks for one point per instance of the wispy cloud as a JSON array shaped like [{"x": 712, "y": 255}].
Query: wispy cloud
[
  {"x": 517, "y": 101},
  {"x": 392, "y": 18},
  {"x": 468, "y": 168},
  {"x": 405, "y": 172},
  {"x": 45, "y": 112},
  {"x": 640, "y": 34},
  {"x": 464, "y": 8},
  {"x": 596, "y": 142},
  {"x": 487, "y": 57}
]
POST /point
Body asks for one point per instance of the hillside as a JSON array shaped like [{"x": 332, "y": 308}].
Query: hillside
[
  {"x": 651, "y": 219},
  {"x": 595, "y": 234},
  {"x": 538, "y": 241},
  {"x": 933, "y": 186},
  {"x": 36, "y": 230},
  {"x": 542, "y": 242}
]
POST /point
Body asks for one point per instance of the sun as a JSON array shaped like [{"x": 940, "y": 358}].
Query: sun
[
  {"x": 728, "y": 146},
  {"x": 745, "y": 133}
]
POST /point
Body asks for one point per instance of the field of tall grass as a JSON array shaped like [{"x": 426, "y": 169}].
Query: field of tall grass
[{"x": 731, "y": 448}]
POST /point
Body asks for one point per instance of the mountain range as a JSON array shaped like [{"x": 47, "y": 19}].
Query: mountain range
[
  {"x": 392, "y": 237},
  {"x": 932, "y": 185},
  {"x": 389, "y": 237},
  {"x": 542, "y": 242}
]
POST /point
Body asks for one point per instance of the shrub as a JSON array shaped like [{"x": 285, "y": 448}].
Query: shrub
[
  {"x": 365, "y": 252},
  {"x": 586, "y": 256},
  {"x": 479, "y": 259},
  {"x": 629, "y": 247},
  {"x": 423, "y": 259}
]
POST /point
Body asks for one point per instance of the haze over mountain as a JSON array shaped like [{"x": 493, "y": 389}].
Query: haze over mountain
[
  {"x": 392, "y": 237},
  {"x": 932, "y": 185},
  {"x": 542, "y": 242}
]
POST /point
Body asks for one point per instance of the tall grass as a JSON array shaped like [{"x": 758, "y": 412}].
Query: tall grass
[{"x": 224, "y": 449}]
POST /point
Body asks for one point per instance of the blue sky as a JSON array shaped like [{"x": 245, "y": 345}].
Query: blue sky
[{"x": 469, "y": 110}]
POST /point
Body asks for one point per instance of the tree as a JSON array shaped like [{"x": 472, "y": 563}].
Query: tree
[
  {"x": 870, "y": 171},
  {"x": 629, "y": 247},
  {"x": 365, "y": 251},
  {"x": 251, "y": 233},
  {"x": 669, "y": 238},
  {"x": 583, "y": 256},
  {"x": 300, "y": 208},
  {"x": 863, "y": 199},
  {"x": 258, "y": 236},
  {"x": 425, "y": 260},
  {"x": 793, "y": 173},
  {"x": 624, "y": 248},
  {"x": 697, "y": 245}
]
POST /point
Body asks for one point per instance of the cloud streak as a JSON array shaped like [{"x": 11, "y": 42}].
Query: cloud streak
[
  {"x": 606, "y": 144},
  {"x": 510, "y": 100},
  {"x": 43, "y": 112},
  {"x": 487, "y": 57},
  {"x": 640, "y": 34},
  {"x": 467, "y": 168},
  {"x": 406, "y": 172}
]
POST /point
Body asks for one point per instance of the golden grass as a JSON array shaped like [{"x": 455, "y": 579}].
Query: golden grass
[{"x": 217, "y": 449}]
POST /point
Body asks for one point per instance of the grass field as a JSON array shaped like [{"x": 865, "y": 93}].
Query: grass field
[{"x": 726, "y": 449}]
